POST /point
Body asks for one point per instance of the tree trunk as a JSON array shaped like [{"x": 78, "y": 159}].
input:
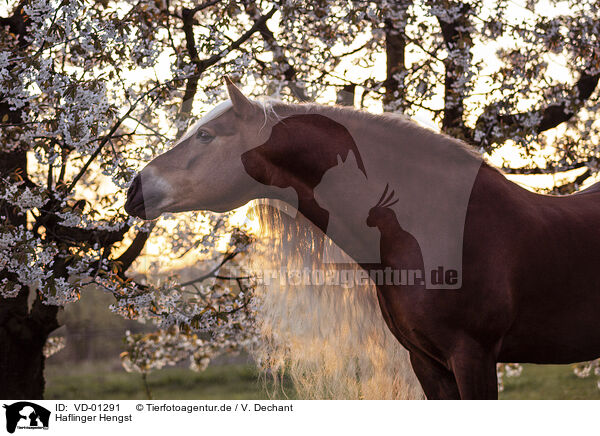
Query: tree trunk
[
  {"x": 22, "y": 359},
  {"x": 395, "y": 46},
  {"x": 23, "y": 330}
]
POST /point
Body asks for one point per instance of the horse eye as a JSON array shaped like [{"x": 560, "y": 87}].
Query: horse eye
[{"x": 204, "y": 137}]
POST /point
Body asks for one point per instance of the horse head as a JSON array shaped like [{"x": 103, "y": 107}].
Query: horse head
[
  {"x": 204, "y": 170},
  {"x": 237, "y": 153}
]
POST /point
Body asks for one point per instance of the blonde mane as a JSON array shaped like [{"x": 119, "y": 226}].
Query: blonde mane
[
  {"x": 276, "y": 109},
  {"x": 330, "y": 340}
]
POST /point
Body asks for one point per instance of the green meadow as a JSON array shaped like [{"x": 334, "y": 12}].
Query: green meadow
[{"x": 242, "y": 381}]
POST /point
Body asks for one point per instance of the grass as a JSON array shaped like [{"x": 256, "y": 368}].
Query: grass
[
  {"x": 241, "y": 381},
  {"x": 555, "y": 382},
  {"x": 217, "y": 382}
]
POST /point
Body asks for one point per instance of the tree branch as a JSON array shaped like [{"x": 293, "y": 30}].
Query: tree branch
[
  {"x": 571, "y": 187},
  {"x": 201, "y": 65},
  {"x": 108, "y": 137},
  {"x": 213, "y": 272},
  {"x": 289, "y": 71},
  {"x": 135, "y": 249},
  {"x": 549, "y": 117},
  {"x": 75, "y": 234},
  {"x": 203, "y": 6}
]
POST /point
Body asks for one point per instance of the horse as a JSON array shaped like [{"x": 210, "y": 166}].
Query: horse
[{"x": 499, "y": 273}]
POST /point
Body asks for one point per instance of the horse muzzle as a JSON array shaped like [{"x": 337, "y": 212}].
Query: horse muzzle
[{"x": 141, "y": 201}]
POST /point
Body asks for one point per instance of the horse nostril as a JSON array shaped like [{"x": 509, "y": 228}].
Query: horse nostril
[
  {"x": 144, "y": 198},
  {"x": 135, "y": 186},
  {"x": 135, "y": 200}
]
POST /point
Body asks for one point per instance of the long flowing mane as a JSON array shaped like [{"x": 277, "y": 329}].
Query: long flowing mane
[{"x": 332, "y": 341}]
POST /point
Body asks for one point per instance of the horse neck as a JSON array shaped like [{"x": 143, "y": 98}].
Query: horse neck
[{"x": 431, "y": 173}]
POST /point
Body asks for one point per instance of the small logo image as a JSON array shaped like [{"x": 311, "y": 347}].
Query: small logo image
[{"x": 26, "y": 415}]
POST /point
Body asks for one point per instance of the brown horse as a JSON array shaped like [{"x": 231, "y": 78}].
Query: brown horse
[{"x": 507, "y": 275}]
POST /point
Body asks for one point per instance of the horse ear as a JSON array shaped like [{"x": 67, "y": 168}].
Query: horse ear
[{"x": 241, "y": 105}]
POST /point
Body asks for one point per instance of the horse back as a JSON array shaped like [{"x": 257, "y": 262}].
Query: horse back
[{"x": 545, "y": 273}]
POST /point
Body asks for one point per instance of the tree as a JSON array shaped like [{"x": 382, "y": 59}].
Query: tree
[
  {"x": 65, "y": 136},
  {"x": 90, "y": 90}
]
